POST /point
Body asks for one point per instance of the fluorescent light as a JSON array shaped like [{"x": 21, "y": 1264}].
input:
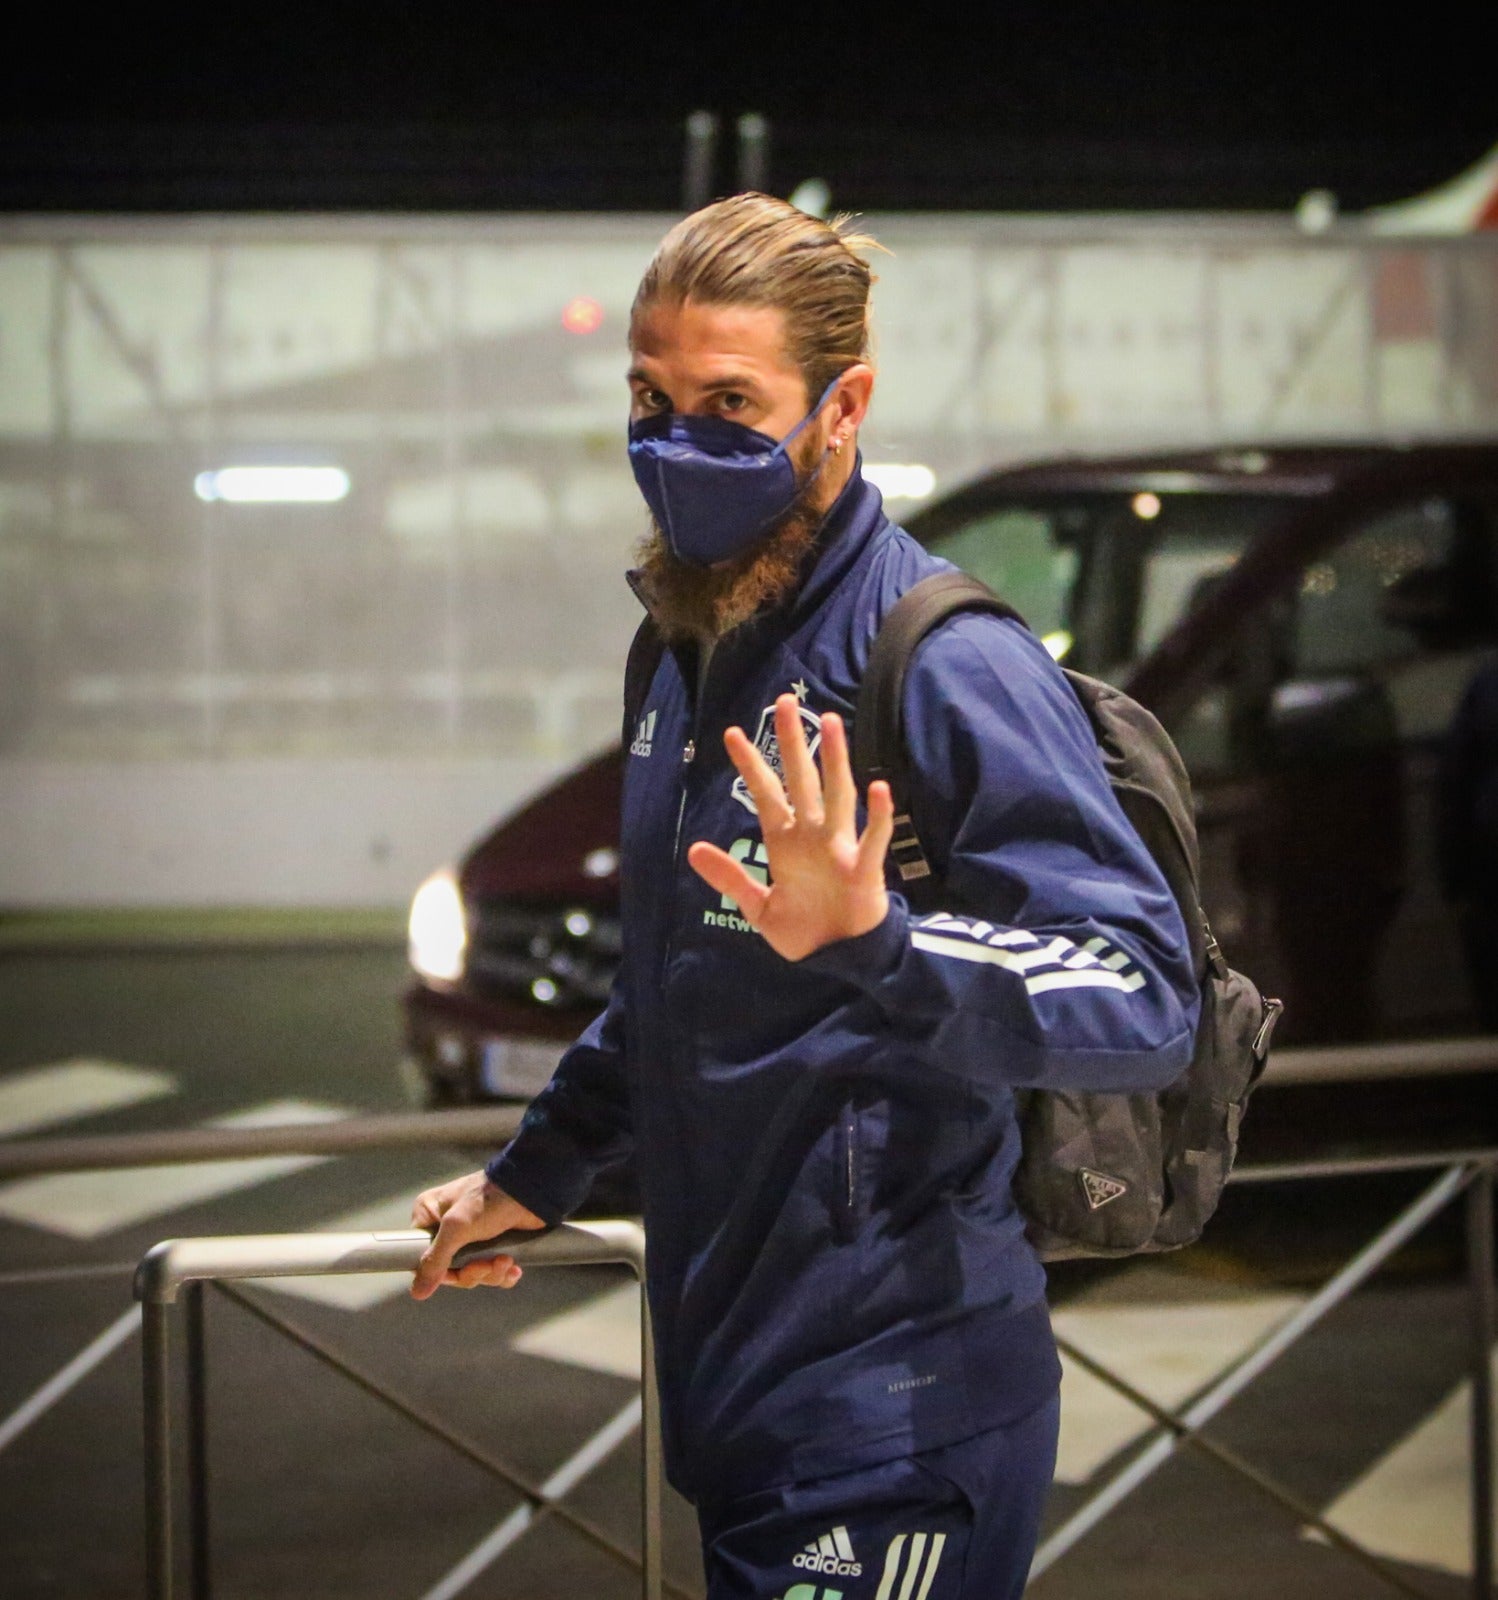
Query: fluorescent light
[
  {"x": 273, "y": 485},
  {"x": 1058, "y": 643},
  {"x": 900, "y": 480}
]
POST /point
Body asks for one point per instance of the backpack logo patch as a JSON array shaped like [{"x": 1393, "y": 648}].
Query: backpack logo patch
[
  {"x": 1099, "y": 1189},
  {"x": 768, "y": 745}
]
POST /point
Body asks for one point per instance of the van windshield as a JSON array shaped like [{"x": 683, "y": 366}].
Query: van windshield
[{"x": 1102, "y": 578}]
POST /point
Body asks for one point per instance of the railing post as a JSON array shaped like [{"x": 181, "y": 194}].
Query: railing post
[
  {"x": 157, "y": 1397},
  {"x": 650, "y": 1459},
  {"x": 201, "y": 1580},
  {"x": 1480, "y": 1275}
]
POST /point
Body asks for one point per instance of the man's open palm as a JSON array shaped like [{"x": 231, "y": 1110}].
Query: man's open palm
[{"x": 826, "y": 882}]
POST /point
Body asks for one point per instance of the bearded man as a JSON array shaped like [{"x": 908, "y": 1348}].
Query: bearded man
[{"x": 857, "y": 1372}]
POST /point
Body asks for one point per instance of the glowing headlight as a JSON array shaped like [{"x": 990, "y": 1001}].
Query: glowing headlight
[{"x": 438, "y": 930}]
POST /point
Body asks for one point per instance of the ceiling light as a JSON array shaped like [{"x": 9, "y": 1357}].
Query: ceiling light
[{"x": 273, "y": 485}]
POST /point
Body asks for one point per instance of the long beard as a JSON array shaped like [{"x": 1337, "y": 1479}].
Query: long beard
[{"x": 703, "y": 603}]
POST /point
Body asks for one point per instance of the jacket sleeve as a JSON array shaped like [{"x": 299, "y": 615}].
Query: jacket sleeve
[
  {"x": 1062, "y": 962},
  {"x": 579, "y": 1124}
]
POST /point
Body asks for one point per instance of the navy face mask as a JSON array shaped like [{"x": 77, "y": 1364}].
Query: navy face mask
[{"x": 714, "y": 486}]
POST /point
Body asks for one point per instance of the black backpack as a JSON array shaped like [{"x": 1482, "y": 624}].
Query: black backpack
[{"x": 1100, "y": 1174}]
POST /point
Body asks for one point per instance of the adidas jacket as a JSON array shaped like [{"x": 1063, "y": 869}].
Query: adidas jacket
[{"x": 837, "y": 1271}]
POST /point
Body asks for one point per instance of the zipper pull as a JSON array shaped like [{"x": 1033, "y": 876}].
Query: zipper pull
[{"x": 689, "y": 752}]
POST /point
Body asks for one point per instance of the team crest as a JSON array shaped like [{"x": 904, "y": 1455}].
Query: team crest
[{"x": 768, "y": 745}]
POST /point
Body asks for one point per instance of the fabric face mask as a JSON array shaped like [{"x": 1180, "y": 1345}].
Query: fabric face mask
[{"x": 714, "y": 486}]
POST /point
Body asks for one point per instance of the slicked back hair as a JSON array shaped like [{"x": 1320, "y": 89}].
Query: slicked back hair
[{"x": 755, "y": 250}]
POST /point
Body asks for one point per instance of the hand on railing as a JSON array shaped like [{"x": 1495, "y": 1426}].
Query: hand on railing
[{"x": 465, "y": 1211}]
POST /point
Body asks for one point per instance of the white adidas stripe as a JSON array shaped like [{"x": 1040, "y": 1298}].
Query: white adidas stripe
[
  {"x": 843, "y": 1543},
  {"x": 41, "y": 1097},
  {"x": 1098, "y": 977},
  {"x": 87, "y": 1205}
]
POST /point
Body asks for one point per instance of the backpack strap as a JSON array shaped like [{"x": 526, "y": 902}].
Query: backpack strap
[
  {"x": 645, "y": 651},
  {"x": 878, "y": 721}
]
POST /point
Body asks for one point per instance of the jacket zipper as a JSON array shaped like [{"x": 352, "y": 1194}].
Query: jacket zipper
[{"x": 688, "y": 755}]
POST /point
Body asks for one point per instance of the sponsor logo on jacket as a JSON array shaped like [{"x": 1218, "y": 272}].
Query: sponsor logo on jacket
[
  {"x": 767, "y": 743},
  {"x": 832, "y": 1555}
]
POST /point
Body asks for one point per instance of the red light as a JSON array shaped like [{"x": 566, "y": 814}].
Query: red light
[{"x": 582, "y": 315}]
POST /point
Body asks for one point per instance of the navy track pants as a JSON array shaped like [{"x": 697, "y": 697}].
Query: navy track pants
[{"x": 956, "y": 1523}]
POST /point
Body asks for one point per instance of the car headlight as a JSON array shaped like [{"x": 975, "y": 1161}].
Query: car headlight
[{"x": 437, "y": 932}]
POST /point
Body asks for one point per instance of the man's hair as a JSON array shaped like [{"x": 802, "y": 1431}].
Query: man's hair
[{"x": 755, "y": 250}]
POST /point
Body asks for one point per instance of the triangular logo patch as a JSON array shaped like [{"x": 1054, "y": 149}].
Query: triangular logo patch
[{"x": 1099, "y": 1188}]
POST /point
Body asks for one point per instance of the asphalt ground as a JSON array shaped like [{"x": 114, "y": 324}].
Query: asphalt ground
[{"x": 318, "y": 1490}]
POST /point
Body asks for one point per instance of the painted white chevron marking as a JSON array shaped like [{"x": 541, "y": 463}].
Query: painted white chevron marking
[
  {"x": 1415, "y": 1503},
  {"x": 602, "y": 1334},
  {"x": 1167, "y": 1351},
  {"x": 41, "y": 1097},
  {"x": 87, "y": 1205},
  {"x": 125, "y": 1326},
  {"x": 561, "y": 1482},
  {"x": 358, "y": 1291}
]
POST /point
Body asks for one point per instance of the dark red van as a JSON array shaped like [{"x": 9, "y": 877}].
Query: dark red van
[{"x": 1316, "y": 626}]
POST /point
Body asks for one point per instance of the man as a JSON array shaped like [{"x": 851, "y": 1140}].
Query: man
[{"x": 858, "y": 1377}]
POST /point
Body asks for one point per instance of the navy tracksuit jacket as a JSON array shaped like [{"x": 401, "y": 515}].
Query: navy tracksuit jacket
[{"x": 837, "y": 1271}]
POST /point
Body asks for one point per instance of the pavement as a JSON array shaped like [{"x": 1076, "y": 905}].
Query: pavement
[{"x": 318, "y": 1490}]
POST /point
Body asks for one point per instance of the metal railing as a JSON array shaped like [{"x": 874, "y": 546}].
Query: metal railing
[
  {"x": 1461, "y": 1172},
  {"x": 181, "y": 1267},
  {"x": 492, "y": 1125}
]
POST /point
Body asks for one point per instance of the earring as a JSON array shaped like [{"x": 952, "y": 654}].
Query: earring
[{"x": 837, "y": 445}]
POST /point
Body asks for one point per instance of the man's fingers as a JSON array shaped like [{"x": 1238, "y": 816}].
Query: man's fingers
[
  {"x": 432, "y": 1267},
  {"x": 500, "y": 1273},
  {"x": 873, "y": 847},
  {"x": 838, "y": 789},
  {"x": 728, "y": 877},
  {"x": 801, "y": 781},
  {"x": 764, "y": 787}
]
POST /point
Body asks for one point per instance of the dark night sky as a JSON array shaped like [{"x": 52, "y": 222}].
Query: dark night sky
[{"x": 494, "y": 105}]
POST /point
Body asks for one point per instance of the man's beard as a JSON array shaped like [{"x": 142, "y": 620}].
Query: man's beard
[{"x": 704, "y": 603}]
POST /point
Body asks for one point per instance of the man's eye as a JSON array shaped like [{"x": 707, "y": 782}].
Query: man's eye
[
  {"x": 654, "y": 400},
  {"x": 732, "y": 402}
]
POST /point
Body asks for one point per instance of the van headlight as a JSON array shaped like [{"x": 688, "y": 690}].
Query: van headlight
[{"x": 437, "y": 931}]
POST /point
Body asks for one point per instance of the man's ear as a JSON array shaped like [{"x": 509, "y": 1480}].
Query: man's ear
[{"x": 855, "y": 388}]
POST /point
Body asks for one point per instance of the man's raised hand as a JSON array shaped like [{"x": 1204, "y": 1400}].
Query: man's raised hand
[
  {"x": 827, "y": 882},
  {"x": 465, "y": 1211}
]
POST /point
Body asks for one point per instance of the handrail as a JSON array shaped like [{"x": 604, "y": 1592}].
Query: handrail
[
  {"x": 174, "y": 1262},
  {"x": 492, "y": 1125},
  {"x": 176, "y": 1265}
]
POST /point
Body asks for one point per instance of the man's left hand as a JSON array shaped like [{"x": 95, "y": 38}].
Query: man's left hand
[{"x": 826, "y": 881}]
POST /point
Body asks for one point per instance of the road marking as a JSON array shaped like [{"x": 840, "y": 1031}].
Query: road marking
[
  {"x": 82, "y": 1087},
  {"x": 561, "y": 1482},
  {"x": 86, "y": 1205},
  {"x": 127, "y": 1324},
  {"x": 1168, "y": 1351},
  {"x": 602, "y": 1334},
  {"x": 1415, "y": 1503},
  {"x": 358, "y": 1291}
]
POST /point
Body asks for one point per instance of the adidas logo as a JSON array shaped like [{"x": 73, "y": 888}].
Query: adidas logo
[
  {"x": 1099, "y": 1189},
  {"x": 831, "y": 1554},
  {"x": 644, "y": 734}
]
